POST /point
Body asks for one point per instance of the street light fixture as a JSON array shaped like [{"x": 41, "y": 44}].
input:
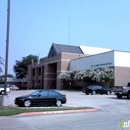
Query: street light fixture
[{"x": 7, "y": 45}]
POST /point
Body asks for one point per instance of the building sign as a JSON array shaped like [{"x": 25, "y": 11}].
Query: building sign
[{"x": 102, "y": 64}]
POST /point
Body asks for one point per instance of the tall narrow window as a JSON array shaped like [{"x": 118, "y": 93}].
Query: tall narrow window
[
  {"x": 39, "y": 71},
  {"x": 33, "y": 72}
]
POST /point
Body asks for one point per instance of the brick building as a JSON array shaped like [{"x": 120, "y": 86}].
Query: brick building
[{"x": 66, "y": 57}]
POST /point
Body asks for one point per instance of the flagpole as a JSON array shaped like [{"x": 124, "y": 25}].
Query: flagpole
[{"x": 69, "y": 33}]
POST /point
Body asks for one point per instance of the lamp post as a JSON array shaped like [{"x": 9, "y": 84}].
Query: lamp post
[
  {"x": 7, "y": 45},
  {"x": 72, "y": 78}
]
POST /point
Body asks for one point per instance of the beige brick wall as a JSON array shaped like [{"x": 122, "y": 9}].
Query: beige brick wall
[{"x": 122, "y": 76}]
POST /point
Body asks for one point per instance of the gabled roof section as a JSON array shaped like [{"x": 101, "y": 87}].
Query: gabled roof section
[{"x": 58, "y": 48}]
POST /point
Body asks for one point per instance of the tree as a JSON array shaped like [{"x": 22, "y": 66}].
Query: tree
[
  {"x": 42, "y": 59},
  {"x": 1, "y": 61},
  {"x": 21, "y": 67},
  {"x": 67, "y": 76},
  {"x": 8, "y": 75},
  {"x": 104, "y": 75}
]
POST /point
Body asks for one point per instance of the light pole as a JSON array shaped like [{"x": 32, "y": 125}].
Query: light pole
[
  {"x": 72, "y": 78},
  {"x": 7, "y": 45}
]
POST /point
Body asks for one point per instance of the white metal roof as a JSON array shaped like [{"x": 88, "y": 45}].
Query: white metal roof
[{"x": 93, "y": 50}]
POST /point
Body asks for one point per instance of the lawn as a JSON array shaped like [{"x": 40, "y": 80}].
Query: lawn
[{"x": 9, "y": 110}]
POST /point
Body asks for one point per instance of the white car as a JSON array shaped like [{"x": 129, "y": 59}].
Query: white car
[
  {"x": 2, "y": 89},
  {"x": 14, "y": 87}
]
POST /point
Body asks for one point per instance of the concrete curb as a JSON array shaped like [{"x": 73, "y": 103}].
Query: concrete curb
[{"x": 56, "y": 112}]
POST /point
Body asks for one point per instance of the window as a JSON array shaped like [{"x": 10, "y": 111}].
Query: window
[
  {"x": 52, "y": 93},
  {"x": 99, "y": 87},
  {"x": 35, "y": 93},
  {"x": 33, "y": 72},
  {"x": 44, "y": 93},
  {"x": 2, "y": 85},
  {"x": 39, "y": 71}
]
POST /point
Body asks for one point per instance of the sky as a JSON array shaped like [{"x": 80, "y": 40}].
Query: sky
[{"x": 36, "y": 24}]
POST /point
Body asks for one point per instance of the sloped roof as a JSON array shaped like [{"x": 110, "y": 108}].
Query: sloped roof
[
  {"x": 67, "y": 48},
  {"x": 93, "y": 50},
  {"x": 58, "y": 48}
]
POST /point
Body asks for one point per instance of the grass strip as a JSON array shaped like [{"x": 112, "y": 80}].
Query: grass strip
[{"x": 10, "y": 110}]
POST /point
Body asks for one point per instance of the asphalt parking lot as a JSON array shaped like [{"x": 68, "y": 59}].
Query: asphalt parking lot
[{"x": 108, "y": 103}]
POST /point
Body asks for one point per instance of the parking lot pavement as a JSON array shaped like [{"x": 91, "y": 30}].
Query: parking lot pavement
[
  {"x": 13, "y": 123},
  {"x": 13, "y": 94},
  {"x": 108, "y": 103}
]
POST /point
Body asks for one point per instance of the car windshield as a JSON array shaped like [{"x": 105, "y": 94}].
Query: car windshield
[
  {"x": 35, "y": 93},
  {"x": 2, "y": 86}
]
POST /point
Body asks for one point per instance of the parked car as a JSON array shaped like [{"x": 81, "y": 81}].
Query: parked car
[
  {"x": 41, "y": 97},
  {"x": 96, "y": 89},
  {"x": 14, "y": 87},
  {"x": 2, "y": 89},
  {"x": 120, "y": 91},
  {"x": 83, "y": 89}
]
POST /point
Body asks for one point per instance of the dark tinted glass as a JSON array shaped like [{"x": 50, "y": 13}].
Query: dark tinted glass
[
  {"x": 44, "y": 93},
  {"x": 52, "y": 93},
  {"x": 35, "y": 93},
  {"x": 2, "y": 85},
  {"x": 99, "y": 87},
  {"x": 92, "y": 87}
]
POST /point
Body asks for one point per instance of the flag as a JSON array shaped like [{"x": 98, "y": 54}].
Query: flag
[
  {"x": 38, "y": 61},
  {"x": 1, "y": 61},
  {"x": 34, "y": 62}
]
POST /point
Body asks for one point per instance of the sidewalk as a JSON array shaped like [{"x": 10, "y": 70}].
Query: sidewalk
[{"x": 56, "y": 112}]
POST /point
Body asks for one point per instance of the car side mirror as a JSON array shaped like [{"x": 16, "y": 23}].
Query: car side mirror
[{"x": 39, "y": 95}]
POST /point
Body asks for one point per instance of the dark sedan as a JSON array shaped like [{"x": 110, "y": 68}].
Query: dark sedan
[
  {"x": 96, "y": 89},
  {"x": 41, "y": 97}
]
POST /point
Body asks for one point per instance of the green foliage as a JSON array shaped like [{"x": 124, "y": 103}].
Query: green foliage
[
  {"x": 21, "y": 67},
  {"x": 92, "y": 75},
  {"x": 41, "y": 59},
  {"x": 8, "y": 75},
  {"x": 1, "y": 61},
  {"x": 68, "y": 76}
]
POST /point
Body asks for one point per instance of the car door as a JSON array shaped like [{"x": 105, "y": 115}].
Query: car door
[
  {"x": 41, "y": 97},
  {"x": 99, "y": 89},
  {"x": 52, "y": 96}
]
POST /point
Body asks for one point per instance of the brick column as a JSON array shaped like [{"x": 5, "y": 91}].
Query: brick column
[
  {"x": 45, "y": 76},
  {"x": 58, "y": 81}
]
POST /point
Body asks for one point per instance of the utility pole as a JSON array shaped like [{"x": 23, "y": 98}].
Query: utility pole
[{"x": 7, "y": 45}]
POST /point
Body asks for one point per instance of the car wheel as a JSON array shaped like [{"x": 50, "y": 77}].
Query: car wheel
[
  {"x": 108, "y": 93},
  {"x": 128, "y": 95},
  {"x": 119, "y": 96},
  {"x": 27, "y": 103},
  {"x": 2, "y": 92},
  {"x": 58, "y": 103},
  {"x": 93, "y": 92}
]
